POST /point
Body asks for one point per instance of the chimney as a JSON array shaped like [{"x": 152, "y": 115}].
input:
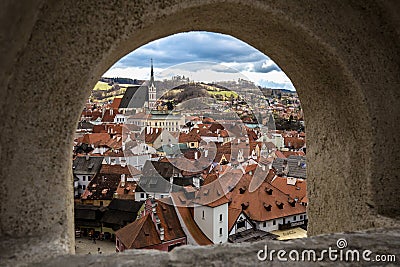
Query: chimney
[
  {"x": 196, "y": 156},
  {"x": 123, "y": 163},
  {"x": 111, "y": 112},
  {"x": 122, "y": 180},
  {"x": 206, "y": 153}
]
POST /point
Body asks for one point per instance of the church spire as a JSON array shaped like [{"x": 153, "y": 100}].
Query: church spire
[
  {"x": 152, "y": 89},
  {"x": 151, "y": 72}
]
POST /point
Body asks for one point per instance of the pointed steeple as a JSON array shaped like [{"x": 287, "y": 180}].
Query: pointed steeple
[
  {"x": 152, "y": 89},
  {"x": 151, "y": 73}
]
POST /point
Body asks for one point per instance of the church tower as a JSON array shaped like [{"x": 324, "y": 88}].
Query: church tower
[{"x": 152, "y": 89}]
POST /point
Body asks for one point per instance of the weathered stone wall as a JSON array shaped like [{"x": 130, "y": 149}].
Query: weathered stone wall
[
  {"x": 341, "y": 56},
  {"x": 381, "y": 241}
]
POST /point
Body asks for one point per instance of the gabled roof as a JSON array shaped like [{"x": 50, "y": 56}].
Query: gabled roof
[
  {"x": 150, "y": 135},
  {"x": 233, "y": 215},
  {"x": 169, "y": 220},
  {"x": 296, "y": 166},
  {"x": 296, "y": 191},
  {"x": 294, "y": 142},
  {"x": 189, "y": 137},
  {"x": 109, "y": 115},
  {"x": 211, "y": 195},
  {"x": 143, "y": 232},
  {"x": 125, "y": 205},
  {"x": 116, "y": 102},
  {"x": 139, "y": 234},
  {"x": 159, "y": 169},
  {"x": 265, "y": 203},
  {"x": 187, "y": 218},
  {"x": 87, "y": 165},
  {"x": 135, "y": 97},
  {"x": 85, "y": 125},
  {"x": 96, "y": 139}
]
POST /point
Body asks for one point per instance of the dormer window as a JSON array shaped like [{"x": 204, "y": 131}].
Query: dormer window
[
  {"x": 242, "y": 190},
  {"x": 268, "y": 190},
  {"x": 245, "y": 205},
  {"x": 279, "y": 204},
  {"x": 267, "y": 207}
]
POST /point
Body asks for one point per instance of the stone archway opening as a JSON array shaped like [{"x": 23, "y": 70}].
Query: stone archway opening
[{"x": 248, "y": 130}]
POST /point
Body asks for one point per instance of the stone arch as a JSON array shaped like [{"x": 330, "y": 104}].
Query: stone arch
[{"x": 331, "y": 51}]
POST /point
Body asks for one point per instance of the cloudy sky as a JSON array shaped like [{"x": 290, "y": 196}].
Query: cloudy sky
[{"x": 226, "y": 58}]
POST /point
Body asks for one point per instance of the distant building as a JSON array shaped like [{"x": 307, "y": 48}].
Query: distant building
[{"x": 138, "y": 98}]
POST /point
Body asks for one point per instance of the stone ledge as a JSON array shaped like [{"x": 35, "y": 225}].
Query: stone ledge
[{"x": 379, "y": 241}]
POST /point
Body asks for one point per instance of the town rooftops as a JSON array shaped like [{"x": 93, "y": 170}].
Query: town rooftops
[
  {"x": 265, "y": 203},
  {"x": 143, "y": 233},
  {"x": 296, "y": 189},
  {"x": 293, "y": 166}
]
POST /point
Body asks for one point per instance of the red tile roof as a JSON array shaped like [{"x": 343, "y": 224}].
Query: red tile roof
[
  {"x": 192, "y": 136},
  {"x": 191, "y": 225},
  {"x": 297, "y": 191},
  {"x": 139, "y": 234},
  {"x": 259, "y": 205},
  {"x": 96, "y": 139},
  {"x": 233, "y": 215},
  {"x": 116, "y": 102}
]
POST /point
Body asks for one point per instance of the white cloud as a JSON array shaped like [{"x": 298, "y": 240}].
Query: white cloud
[{"x": 230, "y": 54}]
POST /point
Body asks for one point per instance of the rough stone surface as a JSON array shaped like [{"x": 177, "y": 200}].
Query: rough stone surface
[
  {"x": 342, "y": 57},
  {"x": 381, "y": 241}
]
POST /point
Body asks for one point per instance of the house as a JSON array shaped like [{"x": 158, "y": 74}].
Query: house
[
  {"x": 84, "y": 169},
  {"x": 211, "y": 212},
  {"x": 238, "y": 221},
  {"x": 157, "y": 228},
  {"x": 103, "y": 186},
  {"x": 242, "y": 230},
  {"x": 127, "y": 185},
  {"x": 157, "y": 180},
  {"x": 267, "y": 207}
]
